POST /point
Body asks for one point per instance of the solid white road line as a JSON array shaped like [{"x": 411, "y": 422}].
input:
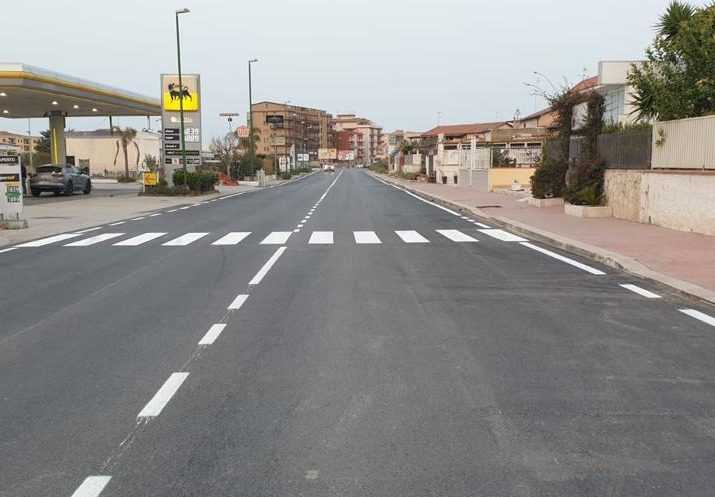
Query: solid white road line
[
  {"x": 117, "y": 224},
  {"x": 138, "y": 240},
  {"x": 482, "y": 225},
  {"x": 700, "y": 316},
  {"x": 184, "y": 239},
  {"x": 52, "y": 239},
  {"x": 321, "y": 238},
  {"x": 138, "y": 218},
  {"x": 267, "y": 266},
  {"x": 411, "y": 237},
  {"x": 366, "y": 237},
  {"x": 640, "y": 291},
  {"x": 163, "y": 396},
  {"x": 561, "y": 258},
  {"x": 211, "y": 335},
  {"x": 92, "y": 486},
  {"x": 237, "y": 302},
  {"x": 93, "y": 240},
  {"x": 502, "y": 235},
  {"x": 457, "y": 236},
  {"x": 8, "y": 250},
  {"x": 277, "y": 238},
  {"x": 233, "y": 238},
  {"x": 90, "y": 229}
]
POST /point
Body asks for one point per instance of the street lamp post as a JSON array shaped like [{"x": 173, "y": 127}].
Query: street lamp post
[
  {"x": 251, "y": 151},
  {"x": 181, "y": 94}
]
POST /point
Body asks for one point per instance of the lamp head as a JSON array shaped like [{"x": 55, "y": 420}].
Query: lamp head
[{"x": 182, "y": 11}]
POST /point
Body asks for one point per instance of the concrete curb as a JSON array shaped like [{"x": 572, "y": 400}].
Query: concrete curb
[{"x": 603, "y": 256}]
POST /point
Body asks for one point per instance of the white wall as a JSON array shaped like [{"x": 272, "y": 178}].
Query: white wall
[{"x": 101, "y": 151}]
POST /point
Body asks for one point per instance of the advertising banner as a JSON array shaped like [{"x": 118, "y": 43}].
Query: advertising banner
[
  {"x": 346, "y": 155},
  {"x": 327, "y": 154},
  {"x": 274, "y": 119},
  {"x": 173, "y": 96}
]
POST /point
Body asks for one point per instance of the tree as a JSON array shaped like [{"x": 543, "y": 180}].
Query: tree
[
  {"x": 408, "y": 147},
  {"x": 126, "y": 138},
  {"x": 226, "y": 149},
  {"x": 151, "y": 162},
  {"x": 43, "y": 144},
  {"x": 677, "y": 80}
]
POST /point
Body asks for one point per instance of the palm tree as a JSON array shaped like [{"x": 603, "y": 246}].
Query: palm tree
[
  {"x": 126, "y": 137},
  {"x": 673, "y": 18}
]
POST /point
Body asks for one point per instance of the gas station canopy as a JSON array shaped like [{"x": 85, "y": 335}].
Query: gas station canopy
[{"x": 28, "y": 91}]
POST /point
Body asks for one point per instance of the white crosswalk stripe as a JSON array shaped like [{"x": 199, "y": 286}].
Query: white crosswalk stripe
[
  {"x": 366, "y": 237},
  {"x": 456, "y": 236},
  {"x": 277, "y": 238},
  {"x": 139, "y": 240},
  {"x": 233, "y": 238},
  {"x": 321, "y": 238},
  {"x": 184, "y": 239},
  {"x": 50, "y": 240},
  {"x": 502, "y": 235},
  {"x": 93, "y": 240},
  {"x": 411, "y": 237}
]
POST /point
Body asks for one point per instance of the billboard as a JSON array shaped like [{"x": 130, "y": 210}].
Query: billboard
[
  {"x": 274, "y": 119},
  {"x": 172, "y": 95},
  {"x": 327, "y": 153},
  {"x": 346, "y": 155},
  {"x": 278, "y": 141}
]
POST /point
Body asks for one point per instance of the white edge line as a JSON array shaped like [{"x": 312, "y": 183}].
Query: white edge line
[
  {"x": 267, "y": 267},
  {"x": 163, "y": 395},
  {"x": 561, "y": 258},
  {"x": 118, "y": 223},
  {"x": 173, "y": 210},
  {"x": 640, "y": 291},
  {"x": 700, "y": 316},
  {"x": 238, "y": 302},
  {"x": 8, "y": 250},
  {"x": 213, "y": 333},
  {"x": 138, "y": 218},
  {"x": 92, "y": 486}
]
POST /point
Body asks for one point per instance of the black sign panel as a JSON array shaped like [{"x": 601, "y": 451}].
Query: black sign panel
[
  {"x": 9, "y": 159},
  {"x": 172, "y": 131},
  {"x": 10, "y": 178},
  {"x": 274, "y": 119},
  {"x": 177, "y": 153},
  {"x": 172, "y": 146}
]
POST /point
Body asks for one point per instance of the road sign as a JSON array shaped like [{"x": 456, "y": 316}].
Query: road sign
[
  {"x": 150, "y": 178},
  {"x": 242, "y": 131}
]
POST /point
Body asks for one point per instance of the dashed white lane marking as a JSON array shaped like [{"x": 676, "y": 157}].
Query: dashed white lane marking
[
  {"x": 155, "y": 215},
  {"x": 184, "y": 208},
  {"x": 277, "y": 238},
  {"x": 163, "y": 396},
  {"x": 8, "y": 250},
  {"x": 117, "y": 223},
  {"x": 502, "y": 235},
  {"x": 267, "y": 266},
  {"x": 211, "y": 335},
  {"x": 95, "y": 239},
  {"x": 184, "y": 239},
  {"x": 296, "y": 230},
  {"x": 366, "y": 237},
  {"x": 52, "y": 239},
  {"x": 561, "y": 258},
  {"x": 173, "y": 210},
  {"x": 301, "y": 225},
  {"x": 457, "y": 236},
  {"x": 92, "y": 486},
  {"x": 196, "y": 204},
  {"x": 321, "y": 238},
  {"x": 640, "y": 291},
  {"x": 411, "y": 236},
  {"x": 138, "y": 240},
  {"x": 237, "y": 302},
  {"x": 88, "y": 230},
  {"x": 233, "y": 238},
  {"x": 700, "y": 316},
  {"x": 138, "y": 218},
  {"x": 482, "y": 225}
]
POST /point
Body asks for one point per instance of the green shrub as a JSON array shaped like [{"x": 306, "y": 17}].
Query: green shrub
[
  {"x": 197, "y": 181},
  {"x": 286, "y": 175},
  {"x": 584, "y": 183},
  {"x": 549, "y": 179},
  {"x": 379, "y": 167},
  {"x": 126, "y": 179}
]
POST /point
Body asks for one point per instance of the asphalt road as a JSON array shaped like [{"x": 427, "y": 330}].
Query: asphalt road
[{"x": 381, "y": 347}]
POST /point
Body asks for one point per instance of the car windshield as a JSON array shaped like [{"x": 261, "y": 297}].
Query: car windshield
[{"x": 49, "y": 168}]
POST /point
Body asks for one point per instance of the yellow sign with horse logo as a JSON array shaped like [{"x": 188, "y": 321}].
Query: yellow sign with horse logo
[{"x": 174, "y": 94}]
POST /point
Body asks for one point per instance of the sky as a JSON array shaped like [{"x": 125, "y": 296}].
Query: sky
[{"x": 404, "y": 65}]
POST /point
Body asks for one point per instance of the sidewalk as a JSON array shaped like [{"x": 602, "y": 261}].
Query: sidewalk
[{"x": 683, "y": 261}]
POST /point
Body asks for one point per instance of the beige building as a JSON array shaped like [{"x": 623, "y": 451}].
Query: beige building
[
  {"x": 102, "y": 151},
  {"x": 303, "y": 130},
  {"x": 364, "y": 138},
  {"x": 19, "y": 144}
]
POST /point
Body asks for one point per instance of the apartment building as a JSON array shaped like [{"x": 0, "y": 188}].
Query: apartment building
[
  {"x": 361, "y": 135},
  {"x": 291, "y": 131},
  {"x": 19, "y": 144}
]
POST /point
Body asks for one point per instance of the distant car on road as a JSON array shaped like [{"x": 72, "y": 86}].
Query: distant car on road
[
  {"x": 59, "y": 179},
  {"x": 329, "y": 168}
]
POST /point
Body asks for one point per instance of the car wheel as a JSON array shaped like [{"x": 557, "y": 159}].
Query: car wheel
[
  {"x": 35, "y": 192},
  {"x": 87, "y": 188},
  {"x": 69, "y": 189}
]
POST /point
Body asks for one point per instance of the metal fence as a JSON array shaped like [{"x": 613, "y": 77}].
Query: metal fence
[
  {"x": 623, "y": 150},
  {"x": 685, "y": 144},
  {"x": 486, "y": 157}
]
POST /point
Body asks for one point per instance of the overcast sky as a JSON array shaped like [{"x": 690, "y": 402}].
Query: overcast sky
[{"x": 398, "y": 63}]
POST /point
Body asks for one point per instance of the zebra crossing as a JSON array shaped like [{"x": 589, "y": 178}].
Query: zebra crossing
[{"x": 365, "y": 237}]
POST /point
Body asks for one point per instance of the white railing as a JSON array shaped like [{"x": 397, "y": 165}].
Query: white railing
[{"x": 684, "y": 144}]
